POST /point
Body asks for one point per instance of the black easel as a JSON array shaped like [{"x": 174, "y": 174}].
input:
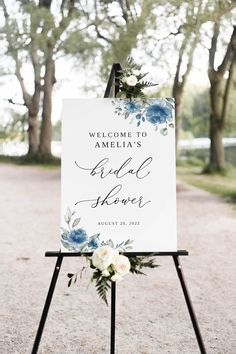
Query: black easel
[{"x": 111, "y": 91}]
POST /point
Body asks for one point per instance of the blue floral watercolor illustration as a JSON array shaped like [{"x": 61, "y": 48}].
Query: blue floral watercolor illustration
[
  {"x": 75, "y": 238},
  {"x": 158, "y": 111}
]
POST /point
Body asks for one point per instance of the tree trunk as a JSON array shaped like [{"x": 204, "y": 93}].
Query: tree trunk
[
  {"x": 33, "y": 133},
  {"x": 177, "y": 122},
  {"x": 217, "y": 159},
  {"x": 177, "y": 93},
  {"x": 219, "y": 98},
  {"x": 217, "y": 156},
  {"x": 46, "y": 127}
]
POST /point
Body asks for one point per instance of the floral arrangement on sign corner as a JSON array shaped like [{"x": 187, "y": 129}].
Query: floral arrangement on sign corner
[
  {"x": 131, "y": 83},
  {"x": 133, "y": 104}
]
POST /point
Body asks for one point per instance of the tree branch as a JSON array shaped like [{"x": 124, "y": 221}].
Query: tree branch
[
  {"x": 228, "y": 85},
  {"x": 96, "y": 23},
  {"x": 10, "y": 100},
  {"x": 65, "y": 21},
  {"x": 213, "y": 48},
  {"x": 177, "y": 80},
  {"x": 26, "y": 95},
  {"x": 228, "y": 55},
  {"x": 124, "y": 11}
]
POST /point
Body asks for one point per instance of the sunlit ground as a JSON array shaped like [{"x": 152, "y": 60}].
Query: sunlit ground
[{"x": 224, "y": 186}]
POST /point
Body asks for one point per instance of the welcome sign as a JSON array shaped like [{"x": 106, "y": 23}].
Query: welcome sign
[{"x": 118, "y": 174}]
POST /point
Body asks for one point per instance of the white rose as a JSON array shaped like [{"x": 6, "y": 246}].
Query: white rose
[
  {"x": 136, "y": 72},
  {"x": 105, "y": 273},
  {"x": 121, "y": 264},
  {"x": 102, "y": 257},
  {"x": 124, "y": 79},
  {"x": 116, "y": 277},
  {"x": 131, "y": 80}
]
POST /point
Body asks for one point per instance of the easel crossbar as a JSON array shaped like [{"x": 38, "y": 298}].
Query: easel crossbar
[{"x": 128, "y": 254}]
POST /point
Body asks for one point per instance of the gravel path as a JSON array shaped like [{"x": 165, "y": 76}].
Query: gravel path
[{"x": 151, "y": 314}]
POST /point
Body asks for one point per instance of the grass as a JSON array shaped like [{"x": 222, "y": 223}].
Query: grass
[
  {"x": 224, "y": 186},
  {"x": 46, "y": 162}
]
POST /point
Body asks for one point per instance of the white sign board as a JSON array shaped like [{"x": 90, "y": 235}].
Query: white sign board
[{"x": 118, "y": 174}]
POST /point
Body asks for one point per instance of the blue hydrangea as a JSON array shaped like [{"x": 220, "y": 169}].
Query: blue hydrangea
[
  {"x": 76, "y": 237},
  {"x": 132, "y": 106},
  {"x": 158, "y": 113},
  {"x": 93, "y": 243}
]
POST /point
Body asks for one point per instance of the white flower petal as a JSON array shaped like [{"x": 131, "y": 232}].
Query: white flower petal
[
  {"x": 102, "y": 257},
  {"x": 121, "y": 264},
  {"x": 116, "y": 277},
  {"x": 105, "y": 273},
  {"x": 131, "y": 80},
  {"x": 136, "y": 72}
]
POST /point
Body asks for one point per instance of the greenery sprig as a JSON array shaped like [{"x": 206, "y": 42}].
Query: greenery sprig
[
  {"x": 104, "y": 275},
  {"x": 131, "y": 83}
]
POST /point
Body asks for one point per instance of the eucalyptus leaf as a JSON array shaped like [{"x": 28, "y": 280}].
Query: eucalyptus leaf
[
  {"x": 64, "y": 230},
  {"x": 76, "y": 222},
  {"x": 67, "y": 245},
  {"x": 164, "y": 131},
  {"x": 68, "y": 216},
  {"x": 64, "y": 235}
]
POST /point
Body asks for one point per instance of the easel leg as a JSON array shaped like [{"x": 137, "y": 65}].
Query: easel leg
[
  {"x": 189, "y": 305},
  {"x": 47, "y": 304},
  {"x": 113, "y": 317}
]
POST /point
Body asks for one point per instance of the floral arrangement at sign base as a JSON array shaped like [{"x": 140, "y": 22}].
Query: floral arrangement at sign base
[
  {"x": 108, "y": 261},
  {"x": 110, "y": 265}
]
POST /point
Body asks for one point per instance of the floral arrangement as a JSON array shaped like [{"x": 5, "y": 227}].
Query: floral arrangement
[
  {"x": 159, "y": 111},
  {"x": 107, "y": 261},
  {"x": 109, "y": 265},
  {"x": 131, "y": 83},
  {"x": 74, "y": 238}
]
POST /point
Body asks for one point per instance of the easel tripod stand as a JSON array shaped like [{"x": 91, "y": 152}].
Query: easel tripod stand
[{"x": 111, "y": 91}]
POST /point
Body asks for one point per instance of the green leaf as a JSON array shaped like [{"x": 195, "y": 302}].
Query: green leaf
[
  {"x": 164, "y": 131},
  {"x": 68, "y": 216},
  {"x": 102, "y": 286},
  {"x": 76, "y": 222},
  {"x": 64, "y": 235},
  {"x": 64, "y": 230},
  {"x": 67, "y": 245}
]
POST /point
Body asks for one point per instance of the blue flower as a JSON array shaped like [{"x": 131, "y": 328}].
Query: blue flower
[
  {"x": 76, "y": 237},
  {"x": 94, "y": 242},
  {"x": 132, "y": 106},
  {"x": 158, "y": 113}
]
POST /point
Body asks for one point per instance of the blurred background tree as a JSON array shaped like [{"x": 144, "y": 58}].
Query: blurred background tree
[
  {"x": 174, "y": 40},
  {"x": 220, "y": 91}
]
